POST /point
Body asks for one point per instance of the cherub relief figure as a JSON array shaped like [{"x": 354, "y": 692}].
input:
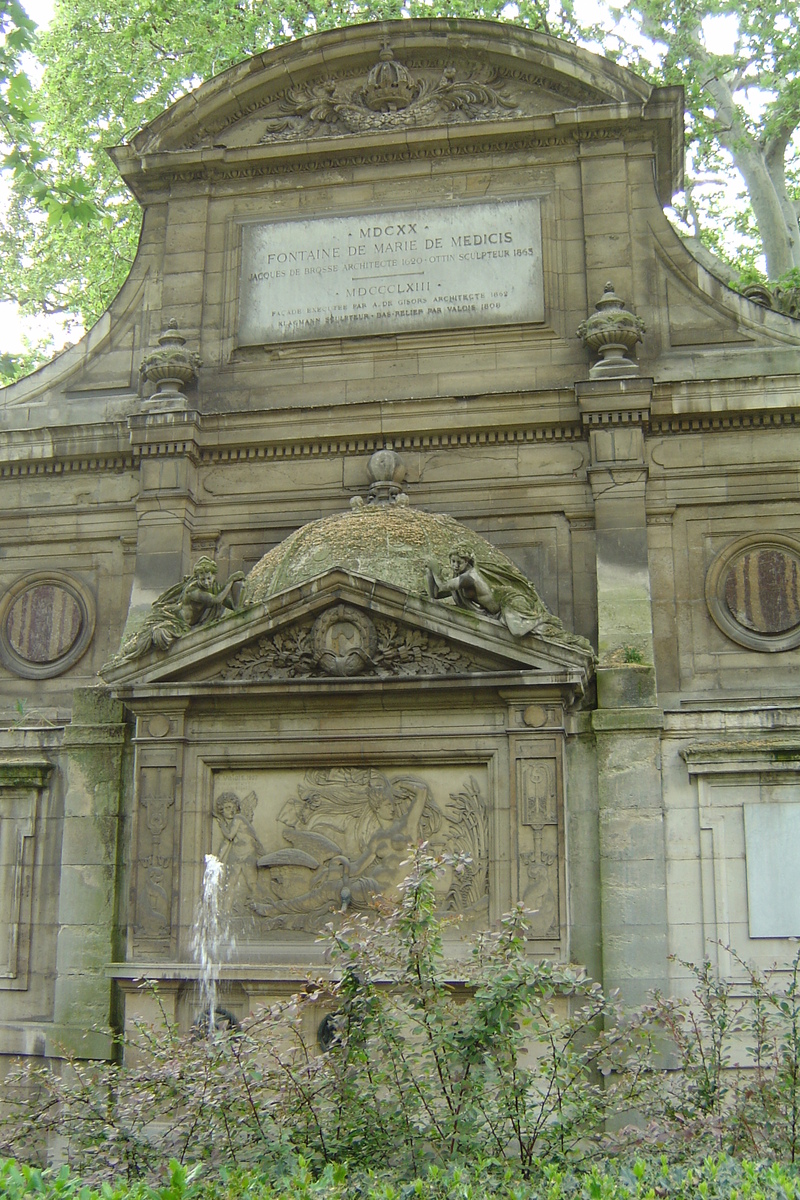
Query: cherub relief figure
[
  {"x": 197, "y": 600},
  {"x": 240, "y": 849}
]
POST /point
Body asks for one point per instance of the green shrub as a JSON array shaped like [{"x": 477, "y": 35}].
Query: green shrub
[
  {"x": 430, "y": 1065},
  {"x": 640, "y": 1178},
  {"x": 518, "y": 1060}
]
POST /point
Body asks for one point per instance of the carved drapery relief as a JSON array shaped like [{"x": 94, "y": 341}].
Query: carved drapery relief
[
  {"x": 344, "y": 641},
  {"x": 298, "y": 850},
  {"x": 538, "y": 844},
  {"x": 20, "y": 787},
  {"x": 154, "y": 861}
]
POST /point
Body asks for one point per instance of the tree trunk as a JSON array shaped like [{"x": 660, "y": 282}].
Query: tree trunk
[{"x": 774, "y": 213}]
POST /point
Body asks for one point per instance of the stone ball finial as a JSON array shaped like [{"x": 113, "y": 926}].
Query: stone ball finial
[{"x": 386, "y": 466}]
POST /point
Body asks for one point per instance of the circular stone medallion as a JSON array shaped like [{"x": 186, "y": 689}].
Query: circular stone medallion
[
  {"x": 344, "y": 641},
  {"x": 753, "y": 592},
  {"x": 46, "y": 623}
]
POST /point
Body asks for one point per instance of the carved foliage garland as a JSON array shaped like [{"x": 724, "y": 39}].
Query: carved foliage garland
[{"x": 344, "y": 642}]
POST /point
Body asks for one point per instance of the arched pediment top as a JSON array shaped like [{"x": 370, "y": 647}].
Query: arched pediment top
[{"x": 387, "y": 76}]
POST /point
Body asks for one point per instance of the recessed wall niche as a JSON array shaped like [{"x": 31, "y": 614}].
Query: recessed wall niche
[
  {"x": 46, "y": 624},
  {"x": 753, "y": 592}
]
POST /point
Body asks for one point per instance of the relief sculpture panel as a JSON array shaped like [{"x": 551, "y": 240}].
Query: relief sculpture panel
[
  {"x": 17, "y": 827},
  {"x": 300, "y": 846},
  {"x": 538, "y": 844},
  {"x": 154, "y": 867}
]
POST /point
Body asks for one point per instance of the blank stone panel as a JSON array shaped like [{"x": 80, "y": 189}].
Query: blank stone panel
[{"x": 772, "y": 848}]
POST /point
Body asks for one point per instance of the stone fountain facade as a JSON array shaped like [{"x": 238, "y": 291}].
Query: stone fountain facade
[{"x": 417, "y": 485}]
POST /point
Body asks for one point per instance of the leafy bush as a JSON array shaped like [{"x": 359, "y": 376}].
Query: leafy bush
[
  {"x": 420, "y": 1068},
  {"x": 738, "y": 1053},
  {"x": 429, "y": 1064},
  {"x": 644, "y": 1178}
]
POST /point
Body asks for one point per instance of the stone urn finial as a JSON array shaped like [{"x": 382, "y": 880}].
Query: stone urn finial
[
  {"x": 171, "y": 368},
  {"x": 385, "y": 469},
  {"x": 612, "y": 332}
]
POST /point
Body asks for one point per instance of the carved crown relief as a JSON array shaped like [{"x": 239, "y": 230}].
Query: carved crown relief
[
  {"x": 391, "y": 97},
  {"x": 399, "y": 95}
]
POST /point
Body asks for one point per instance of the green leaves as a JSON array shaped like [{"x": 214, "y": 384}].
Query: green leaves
[{"x": 70, "y": 233}]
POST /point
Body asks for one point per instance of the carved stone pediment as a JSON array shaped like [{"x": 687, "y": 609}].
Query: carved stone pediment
[
  {"x": 398, "y": 94},
  {"x": 345, "y": 627},
  {"x": 384, "y": 78}
]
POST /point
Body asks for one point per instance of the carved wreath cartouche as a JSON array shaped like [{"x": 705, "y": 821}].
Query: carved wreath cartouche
[
  {"x": 391, "y": 97},
  {"x": 340, "y": 643}
]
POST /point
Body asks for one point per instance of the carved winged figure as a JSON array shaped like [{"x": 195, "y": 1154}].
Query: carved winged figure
[
  {"x": 197, "y": 600},
  {"x": 240, "y": 848},
  {"x": 501, "y": 592}
]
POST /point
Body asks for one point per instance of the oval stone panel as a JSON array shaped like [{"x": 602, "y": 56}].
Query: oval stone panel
[
  {"x": 762, "y": 590},
  {"x": 44, "y": 623}
]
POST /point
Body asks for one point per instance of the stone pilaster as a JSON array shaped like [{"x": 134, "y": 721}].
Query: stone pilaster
[
  {"x": 627, "y": 722},
  {"x": 87, "y": 911},
  {"x": 168, "y": 448}
]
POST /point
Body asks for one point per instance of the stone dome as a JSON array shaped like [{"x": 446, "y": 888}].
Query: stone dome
[{"x": 390, "y": 542}]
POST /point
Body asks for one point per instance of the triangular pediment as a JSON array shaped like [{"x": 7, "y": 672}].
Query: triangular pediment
[{"x": 344, "y": 626}]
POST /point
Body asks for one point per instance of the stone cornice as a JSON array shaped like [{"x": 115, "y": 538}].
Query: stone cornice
[
  {"x": 710, "y": 422},
  {"x": 57, "y": 465},
  {"x": 146, "y": 173},
  {"x": 216, "y": 438}
]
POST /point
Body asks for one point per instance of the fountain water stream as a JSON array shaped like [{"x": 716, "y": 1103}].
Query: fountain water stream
[{"x": 211, "y": 940}]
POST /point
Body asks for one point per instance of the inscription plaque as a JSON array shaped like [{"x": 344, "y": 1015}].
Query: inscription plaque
[{"x": 391, "y": 272}]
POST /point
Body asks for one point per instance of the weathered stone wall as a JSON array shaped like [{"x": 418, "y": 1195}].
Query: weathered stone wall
[{"x": 655, "y": 508}]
